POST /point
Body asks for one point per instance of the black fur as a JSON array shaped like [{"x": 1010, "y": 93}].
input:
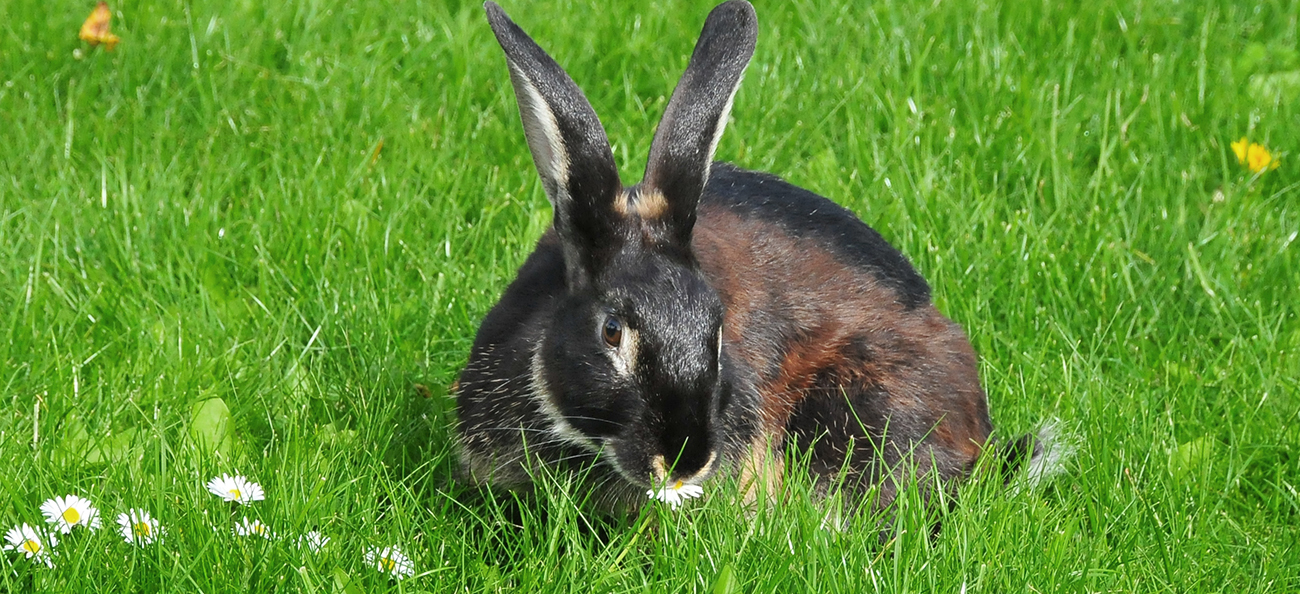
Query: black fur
[
  {"x": 586, "y": 184},
  {"x": 496, "y": 412},
  {"x": 682, "y": 405},
  {"x": 680, "y": 154}
]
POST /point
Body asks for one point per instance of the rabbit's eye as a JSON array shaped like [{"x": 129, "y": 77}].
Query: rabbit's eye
[{"x": 612, "y": 331}]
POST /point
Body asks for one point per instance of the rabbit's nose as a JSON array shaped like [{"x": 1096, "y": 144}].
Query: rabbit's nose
[{"x": 679, "y": 473}]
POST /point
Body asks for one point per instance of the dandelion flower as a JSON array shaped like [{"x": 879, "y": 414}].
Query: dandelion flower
[
  {"x": 137, "y": 527},
  {"x": 29, "y": 542},
  {"x": 314, "y": 541},
  {"x": 1254, "y": 156},
  {"x": 245, "y": 527},
  {"x": 390, "y": 560},
  {"x": 236, "y": 488},
  {"x": 96, "y": 28},
  {"x": 69, "y": 512},
  {"x": 676, "y": 493}
]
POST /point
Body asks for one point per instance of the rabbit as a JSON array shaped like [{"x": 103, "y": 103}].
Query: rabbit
[{"x": 709, "y": 319}]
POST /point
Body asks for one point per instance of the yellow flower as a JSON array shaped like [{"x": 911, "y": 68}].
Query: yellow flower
[
  {"x": 1253, "y": 156},
  {"x": 95, "y": 30}
]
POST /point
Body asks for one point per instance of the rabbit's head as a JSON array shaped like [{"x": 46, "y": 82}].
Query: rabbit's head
[{"x": 631, "y": 364}]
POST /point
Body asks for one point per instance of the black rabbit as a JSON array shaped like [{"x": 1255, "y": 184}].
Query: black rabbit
[{"x": 708, "y": 319}]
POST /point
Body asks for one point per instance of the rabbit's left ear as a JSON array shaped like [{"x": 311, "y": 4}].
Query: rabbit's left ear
[
  {"x": 682, "y": 151},
  {"x": 569, "y": 148}
]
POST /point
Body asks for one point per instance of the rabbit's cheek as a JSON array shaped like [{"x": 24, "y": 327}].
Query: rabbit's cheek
[
  {"x": 629, "y": 458},
  {"x": 560, "y": 424}
]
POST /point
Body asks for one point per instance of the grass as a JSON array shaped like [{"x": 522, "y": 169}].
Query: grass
[{"x": 303, "y": 210}]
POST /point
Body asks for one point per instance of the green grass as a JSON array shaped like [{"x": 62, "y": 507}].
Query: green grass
[{"x": 207, "y": 212}]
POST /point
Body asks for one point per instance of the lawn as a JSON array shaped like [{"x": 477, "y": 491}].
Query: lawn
[{"x": 257, "y": 238}]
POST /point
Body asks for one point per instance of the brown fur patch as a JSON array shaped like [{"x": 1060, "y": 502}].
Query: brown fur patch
[
  {"x": 648, "y": 204},
  {"x": 761, "y": 472},
  {"x": 812, "y": 326}
]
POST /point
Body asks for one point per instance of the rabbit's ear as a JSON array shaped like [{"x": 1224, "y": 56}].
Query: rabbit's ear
[
  {"x": 682, "y": 151},
  {"x": 569, "y": 147}
]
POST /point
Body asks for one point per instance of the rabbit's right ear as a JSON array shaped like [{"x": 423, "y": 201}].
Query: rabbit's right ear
[
  {"x": 682, "y": 151},
  {"x": 569, "y": 148}
]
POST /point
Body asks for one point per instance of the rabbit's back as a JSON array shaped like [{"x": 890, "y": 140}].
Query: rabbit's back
[{"x": 852, "y": 364}]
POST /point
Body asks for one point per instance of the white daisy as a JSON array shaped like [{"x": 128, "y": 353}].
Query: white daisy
[
  {"x": 245, "y": 527},
  {"x": 314, "y": 541},
  {"x": 137, "y": 527},
  {"x": 70, "y": 511},
  {"x": 676, "y": 493},
  {"x": 30, "y": 543},
  {"x": 236, "y": 488},
  {"x": 390, "y": 560}
]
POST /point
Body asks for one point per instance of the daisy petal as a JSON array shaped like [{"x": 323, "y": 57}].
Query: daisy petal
[
  {"x": 138, "y": 528},
  {"x": 70, "y": 511},
  {"x": 390, "y": 560},
  {"x": 247, "y": 527},
  {"x": 236, "y": 488},
  {"x": 675, "y": 494},
  {"x": 31, "y": 543},
  {"x": 314, "y": 541}
]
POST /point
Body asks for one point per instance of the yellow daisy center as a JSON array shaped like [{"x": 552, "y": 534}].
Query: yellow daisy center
[
  {"x": 235, "y": 493},
  {"x": 677, "y": 486},
  {"x": 142, "y": 528},
  {"x": 71, "y": 515},
  {"x": 388, "y": 564},
  {"x": 259, "y": 528},
  {"x": 32, "y": 547}
]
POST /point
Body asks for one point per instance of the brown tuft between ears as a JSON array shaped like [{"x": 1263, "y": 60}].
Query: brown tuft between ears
[{"x": 648, "y": 204}]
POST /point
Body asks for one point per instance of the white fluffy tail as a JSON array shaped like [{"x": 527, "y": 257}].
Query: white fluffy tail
[{"x": 1054, "y": 446}]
